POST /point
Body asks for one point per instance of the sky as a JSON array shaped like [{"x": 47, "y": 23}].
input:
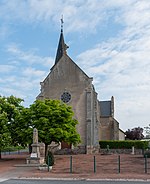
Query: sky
[{"x": 109, "y": 40}]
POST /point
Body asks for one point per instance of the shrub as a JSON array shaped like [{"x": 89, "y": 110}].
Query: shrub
[
  {"x": 51, "y": 158},
  {"x": 12, "y": 148},
  {"x": 127, "y": 144},
  {"x": 147, "y": 153}
]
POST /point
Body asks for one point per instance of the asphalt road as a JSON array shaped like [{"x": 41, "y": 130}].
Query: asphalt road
[{"x": 28, "y": 181}]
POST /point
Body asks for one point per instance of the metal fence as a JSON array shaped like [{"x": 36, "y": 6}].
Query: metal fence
[
  {"x": 113, "y": 164},
  {"x": 10, "y": 152}
]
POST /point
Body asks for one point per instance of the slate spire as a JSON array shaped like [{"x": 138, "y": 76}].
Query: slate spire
[{"x": 62, "y": 47}]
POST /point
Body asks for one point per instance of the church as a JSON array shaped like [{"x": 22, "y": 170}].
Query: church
[{"x": 69, "y": 83}]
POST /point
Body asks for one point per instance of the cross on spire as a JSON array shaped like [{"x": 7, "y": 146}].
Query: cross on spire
[
  {"x": 62, "y": 47},
  {"x": 62, "y": 21}
]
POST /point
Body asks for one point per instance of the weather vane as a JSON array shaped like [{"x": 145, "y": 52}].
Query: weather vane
[{"x": 62, "y": 21}]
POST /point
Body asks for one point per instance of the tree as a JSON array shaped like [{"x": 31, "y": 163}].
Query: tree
[
  {"x": 23, "y": 128},
  {"x": 134, "y": 134},
  {"x": 54, "y": 121},
  {"x": 147, "y": 130},
  {"x": 10, "y": 108},
  {"x": 5, "y": 137}
]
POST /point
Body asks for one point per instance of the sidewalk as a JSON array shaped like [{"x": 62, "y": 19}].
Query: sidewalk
[{"x": 132, "y": 167}]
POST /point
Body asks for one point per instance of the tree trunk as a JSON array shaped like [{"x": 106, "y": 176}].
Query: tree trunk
[
  {"x": 46, "y": 147},
  {"x": 30, "y": 148}
]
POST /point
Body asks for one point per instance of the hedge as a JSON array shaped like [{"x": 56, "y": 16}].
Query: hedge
[
  {"x": 127, "y": 144},
  {"x": 51, "y": 159},
  {"x": 12, "y": 148}
]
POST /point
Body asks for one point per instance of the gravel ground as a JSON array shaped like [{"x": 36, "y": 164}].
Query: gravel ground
[{"x": 106, "y": 167}]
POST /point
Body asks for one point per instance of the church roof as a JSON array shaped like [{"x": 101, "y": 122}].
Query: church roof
[
  {"x": 62, "y": 47},
  {"x": 62, "y": 50},
  {"x": 105, "y": 108}
]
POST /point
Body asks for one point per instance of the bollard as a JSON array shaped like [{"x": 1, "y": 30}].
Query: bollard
[
  {"x": 70, "y": 164},
  {"x": 143, "y": 151},
  {"x": 145, "y": 163},
  {"x": 133, "y": 150},
  {"x": 94, "y": 164},
  {"x": 118, "y": 163},
  {"x": 48, "y": 162}
]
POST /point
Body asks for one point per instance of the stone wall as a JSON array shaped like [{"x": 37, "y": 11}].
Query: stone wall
[
  {"x": 121, "y": 151},
  {"x": 109, "y": 129},
  {"x": 67, "y": 151},
  {"x": 82, "y": 150}
]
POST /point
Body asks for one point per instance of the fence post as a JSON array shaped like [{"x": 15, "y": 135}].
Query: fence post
[
  {"x": 70, "y": 164},
  {"x": 145, "y": 163},
  {"x": 118, "y": 163},
  {"x": 48, "y": 162},
  {"x": 94, "y": 164}
]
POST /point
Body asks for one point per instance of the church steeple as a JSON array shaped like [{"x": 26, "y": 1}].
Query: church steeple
[{"x": 62, "y": 47}]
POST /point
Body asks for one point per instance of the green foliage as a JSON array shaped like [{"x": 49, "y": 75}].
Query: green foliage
[
  {"x": 127, "y": 144},
  {"x": 23, "y": 127},
  {"x": 54, "y": 121},
  {"x": 12, "y": 148},
  {"x": 147, "y": 130},
  {"x": 15, "y": 128},
  {"x": 5, "y": 136},
  {"x": 9, "y": 110},
  {"x": 147, "y": 153},
  {"x": 50, "y": 158}
]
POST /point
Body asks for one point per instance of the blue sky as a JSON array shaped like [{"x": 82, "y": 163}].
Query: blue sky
[{"x": 109, "y": 40}]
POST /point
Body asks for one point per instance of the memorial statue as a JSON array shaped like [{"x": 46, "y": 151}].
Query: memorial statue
[{"x": 35, "y": 136}]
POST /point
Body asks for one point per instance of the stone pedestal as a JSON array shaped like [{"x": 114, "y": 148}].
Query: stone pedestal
[
  {"x": 36, "y": 150},
  {"x": 35, "y": 157}
]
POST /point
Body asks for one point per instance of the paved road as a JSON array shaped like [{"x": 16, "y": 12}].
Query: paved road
[{"x": 20, "y": 181}]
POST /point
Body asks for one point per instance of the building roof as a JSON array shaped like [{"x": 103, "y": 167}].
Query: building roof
[
  {"x": 62, "y": 50},
  {"x": 62, "y": 47}
]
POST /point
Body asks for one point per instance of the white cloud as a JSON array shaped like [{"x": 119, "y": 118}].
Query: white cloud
[
  {"x": 8, "y": 79},
  {"x": 32, "y": 72},
  {"x": 83, "y": 15},
  {"x": 28, "y": 56},
  {"x": 7, "y": 91},
  {"x": 6, "y": 68}
]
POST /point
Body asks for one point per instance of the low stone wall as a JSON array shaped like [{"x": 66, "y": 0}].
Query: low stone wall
[
  {"x": 67, "y": 151},
  {"x": 81, "y": 150},
  {"x": 121, "y": 151}
]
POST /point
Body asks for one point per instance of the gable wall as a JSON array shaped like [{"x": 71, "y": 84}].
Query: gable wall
[{"x": 66, "y": 76}]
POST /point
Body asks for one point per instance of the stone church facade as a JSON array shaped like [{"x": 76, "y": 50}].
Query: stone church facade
[{"x": 69, "y": 83}]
